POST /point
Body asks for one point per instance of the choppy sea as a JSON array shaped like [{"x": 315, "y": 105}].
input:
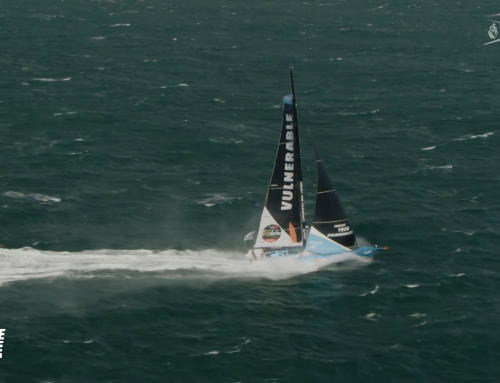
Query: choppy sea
[{"x": 137, "y": 140}]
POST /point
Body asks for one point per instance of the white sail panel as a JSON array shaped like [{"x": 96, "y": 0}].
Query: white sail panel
[{"x": 272, "y": 235}]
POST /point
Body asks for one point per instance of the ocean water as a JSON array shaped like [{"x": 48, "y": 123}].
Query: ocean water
[{"x": 137, "y": 140}]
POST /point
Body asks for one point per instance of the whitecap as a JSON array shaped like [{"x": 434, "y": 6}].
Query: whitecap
[
  {"x": 445, "y": 167},
  {"x": 412, "y": 286},
  {"x": 429, "y": 148},
  {"x": 417, "y": 315},
  {"x": 464, "y": 232},
  {"x": 482, "y": 135},
  {"x": 420, "y": 324},
  {"x": 212, "y": 353},
  {"x": 471, "y": 137},
  {"x": 382, "y": 6},
  {"x": 51, "y": 79},
  {"x": 370, "y": 292},
  {"x": 216, "y": 198},
  {"x": 372, "y": 316},
  {"x": 173, "y": 86},
  {"x": 38, "y": 197},
  {"x": 224, "y": 140},
  {"x": 120, "y": 25},
  {"x": 458, "y": 275}
]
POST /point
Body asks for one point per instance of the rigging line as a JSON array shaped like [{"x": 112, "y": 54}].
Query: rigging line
[
  {"x": 341, "y": 220},
  {"x": 326, "y": 191}
]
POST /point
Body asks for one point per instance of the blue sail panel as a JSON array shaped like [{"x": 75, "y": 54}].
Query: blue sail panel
[{"x": 319, "y": 244}]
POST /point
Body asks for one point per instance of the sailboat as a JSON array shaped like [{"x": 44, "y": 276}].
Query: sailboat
[{"x": 282, "y": 229}]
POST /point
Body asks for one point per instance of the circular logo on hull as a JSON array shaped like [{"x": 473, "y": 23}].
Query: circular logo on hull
[{"x": 271, "y": 233}]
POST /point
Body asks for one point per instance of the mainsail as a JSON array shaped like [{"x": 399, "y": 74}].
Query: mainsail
[
  {"x": 330, "y": 231},
  {"x": 282, "y": 221}
]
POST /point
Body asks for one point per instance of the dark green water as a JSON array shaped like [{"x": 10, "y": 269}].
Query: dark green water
[{"x": 129, "y": 125}]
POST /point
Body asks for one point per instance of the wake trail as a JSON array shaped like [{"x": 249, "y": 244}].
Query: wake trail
[{"x": 28, "y": 263}]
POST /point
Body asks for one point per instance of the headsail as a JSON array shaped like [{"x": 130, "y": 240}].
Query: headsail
[
  {"x": 330, "y": 231},
  {"x": 282, "y": 223}
]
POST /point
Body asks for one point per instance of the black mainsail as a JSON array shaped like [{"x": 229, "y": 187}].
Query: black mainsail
[
  {"x": 330, "y": 231},
  {"x": 282, "y": 220}
]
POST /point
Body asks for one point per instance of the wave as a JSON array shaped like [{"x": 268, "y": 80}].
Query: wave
[
  {"x": 37, "y": 197},
  {"x": 216, "y": 198},
  {"x": 174, "y": 86},
  {"x": 472, "y": 137},
  {"x": 224, "y": 140},
  {"x": 28, "y": 263},
  {"x": 51, "y": 79},
  {"x": 445, "y": 167}
]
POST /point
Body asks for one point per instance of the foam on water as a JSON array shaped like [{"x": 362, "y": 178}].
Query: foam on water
[{"x": 28, "y": 263}]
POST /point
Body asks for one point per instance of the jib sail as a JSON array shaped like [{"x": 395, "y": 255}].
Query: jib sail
[
  {"x": 330, "y": 231},
  {"x": 282, "y": 224}
]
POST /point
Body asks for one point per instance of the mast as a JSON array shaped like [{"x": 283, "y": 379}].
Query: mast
[{"x": 298, "y": 154}]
